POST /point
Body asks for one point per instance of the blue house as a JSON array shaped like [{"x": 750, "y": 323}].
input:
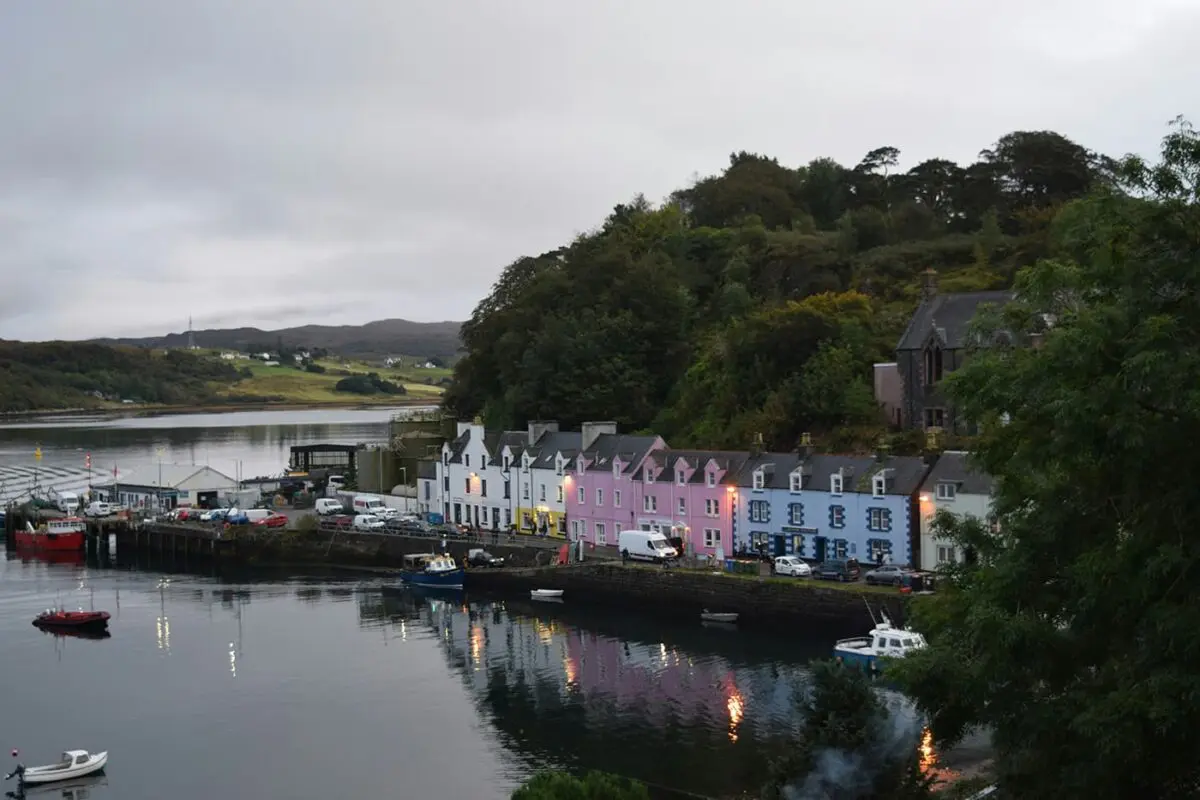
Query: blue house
[{"x": 829, "y": 506}]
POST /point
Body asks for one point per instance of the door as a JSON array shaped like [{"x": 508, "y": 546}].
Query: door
[
  {"x": 495, "y": 518},
  {"x": 778, "y": 544},
  {"x": 819, "y": 548}
]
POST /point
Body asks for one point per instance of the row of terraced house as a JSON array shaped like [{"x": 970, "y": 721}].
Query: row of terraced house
[{"x": 590, "y": 484}]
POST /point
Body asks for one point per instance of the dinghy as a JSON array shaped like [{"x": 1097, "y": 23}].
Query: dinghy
[
  {"x": 713, "y": 616},
  {"x": 543, "y": 594},
  {"x": 74, "y": 764}
]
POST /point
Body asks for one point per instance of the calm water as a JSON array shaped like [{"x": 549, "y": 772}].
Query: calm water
[
  {"x": 318, "y": 688},
  {"x": 249, "y": 443}
]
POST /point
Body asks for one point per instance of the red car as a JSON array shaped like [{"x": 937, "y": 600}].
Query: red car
[{"x": 274, "y": 521}]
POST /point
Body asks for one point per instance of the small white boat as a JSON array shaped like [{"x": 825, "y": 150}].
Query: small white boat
[
  {"x": 74, "y": 764},
  {"x": 713, "y": 616},
  {"x": 543, "y": 594}
]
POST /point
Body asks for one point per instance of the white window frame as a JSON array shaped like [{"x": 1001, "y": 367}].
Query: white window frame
[
  {"x": 616, "y": 470},
  {"x": 542, "y": 493},
  {"x": 616, "y": 498},
  {"x": 559, "y": 494},
  {"x": 947, "y": 554},
  {"x": 760, "y": 480},
  {"x": 946, "y": 490},
  {"x": 712, "y": 537},
  {"x": 599, "y": 498},
  {"x": 681, "y": 477},
  {"x": 795, "y": 514},
  {"x": 650, "y": 504},
  {"x": 483, "y": 461},
  {"x": 581, "y": 495},
  {"x": 712, "y": 507},
  {"x": 507, "y": 463},
  {"x": 876, "y": 518},
  {"x": 575, "y": 528},
  {"x": 795, "y": 481},
  {"x": 649, "y": 475},
  {"x": 525, "y": 490},
  {"x": 879, "y": 486},
  {"x": 835, "y": 483},
  {"x": 711, "y": 480},
  {"x": 600, "y": 534},
  {"x": 681, "y": 505},
  {"x": 559, "y": 466}
]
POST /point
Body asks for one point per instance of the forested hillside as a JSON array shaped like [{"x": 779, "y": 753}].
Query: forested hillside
[{"x": 756, "y": 300}]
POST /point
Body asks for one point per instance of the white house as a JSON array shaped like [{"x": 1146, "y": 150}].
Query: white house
[
  {"x": 475, "y": 478},
  {"x": 169, "y": 485},
  {"x": 955, "y": 486},
  {"x": 546, "y": 478}
]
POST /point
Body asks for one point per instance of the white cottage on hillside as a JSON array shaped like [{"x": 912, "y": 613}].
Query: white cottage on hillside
[{"x": 955, "y": 486}]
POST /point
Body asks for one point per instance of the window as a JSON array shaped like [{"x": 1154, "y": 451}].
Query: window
[
  {"x": 507, "y": 463},
  {"x": 837, "y": 517},
  {"x": 466, "y": 459},
  {"x": 599, "y": 497},
  {"x": 574, "y": 529},
  {"x": 542, "y": 493},
  {"x": 483, "y": 487},
  {"x": 616, "y": 470},
  {"x": 507, "y": 489},
  {"x": 558, "y": 466},
  {"x": 796, "y": 514},
  {"x": 933, "y": 364},
  {"x": 712, "y": 537},
  {"x": 878, "y": 485},
  {"x": 468, "y": 482},
  {"x": 879, "y": 519},
  {"x": 712, "y": 507},
  {"x": 794, "y": 481},
  {"x": 558, "y": 495},
  {"x": 946, "y": 491},
  {"x": 525, "y": 491},
  {"x": 428, "y": 490},
  {"x": 526, "y": 461},
  {"x": 616, "y": 498},
  {"x": 947, "y": 554},
  {"x": 581, "y": 495},
  {"x": 680, "y": 477},
  {"x": 760, "y": 511},
  {"x": 446, "y": 483},
  {"x": 650, "y": 503},
  {"x": 446, "y": 459},
  {"x": 935, "y": 418},
  {"x": 600, "y": 540},
  {"x": 483, "y": 461},
  {"x": 760, "y": 480},
  {"x": 508, "y": 517},
  {"x": 682, "y": 506},
  {"x": 835, "y": 484},
  {"x": 562, "y": 526},
  {"x": 711, "y": 480},
  {"x": 649, "y": 475}
]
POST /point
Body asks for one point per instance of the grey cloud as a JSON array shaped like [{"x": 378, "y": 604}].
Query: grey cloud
[{"x": 304, "y": 161}]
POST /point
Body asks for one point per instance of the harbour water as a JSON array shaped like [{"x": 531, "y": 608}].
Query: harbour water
[
  {"x": 236, "y": 443},
  {"x": 317, "y": 687}
]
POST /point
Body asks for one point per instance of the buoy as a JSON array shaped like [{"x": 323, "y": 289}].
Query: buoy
[{"x": 14, "y": 752}]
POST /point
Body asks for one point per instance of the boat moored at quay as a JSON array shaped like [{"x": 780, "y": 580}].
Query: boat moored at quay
[{"x": 432, "y": 571}]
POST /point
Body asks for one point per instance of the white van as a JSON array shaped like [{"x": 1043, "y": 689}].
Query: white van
[
  {"x": 327, "y": 506},
  {"x": 368, "y": 522},
  {"x": 369, "y": 504},
  {"x": 645, "y": 546},
  {"x": 67, "y": 502}
]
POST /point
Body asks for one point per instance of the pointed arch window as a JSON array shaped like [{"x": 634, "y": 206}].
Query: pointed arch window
[{"x": 933, "y": 364}]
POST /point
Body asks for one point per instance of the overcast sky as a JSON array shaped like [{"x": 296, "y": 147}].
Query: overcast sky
[{"x": 280, "y": 162}]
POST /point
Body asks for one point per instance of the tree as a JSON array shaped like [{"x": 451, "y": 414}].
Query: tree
[
  {"x": 1072, "y": 634},
  {"x": 593, "y": 786}
]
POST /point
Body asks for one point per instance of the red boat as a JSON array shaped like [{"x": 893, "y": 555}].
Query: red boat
[
  {"x": 55, "y": 534},
  {"x": 72, "y": 620}
]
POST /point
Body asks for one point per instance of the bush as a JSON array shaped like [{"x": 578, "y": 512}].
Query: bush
[
  {"x": 370, "y": 383},
  {"x": 593, "y": 786},
  {"x": 314, "y": 368}
]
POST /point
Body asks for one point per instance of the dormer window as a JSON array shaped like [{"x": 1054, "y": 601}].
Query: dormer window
[
  {"x": 760, "y": 479},
  {"x": 446, "y": 459},
  {"x": 794, "y": 481},
  {"x": 649, "y": 475},
  {"x": 616, "y": 470},
  {"x": 680, "y": 477},
  {"x": 526, "y": 461},
  {"x": 711, "y": 480},
  {"x": 946, "y": 491},
  {"x": 878, "y": 486},
  {"x": 507, "y": 463},
  {"x": 558, "y": 466},
  {"x": 835, "y": 483}
]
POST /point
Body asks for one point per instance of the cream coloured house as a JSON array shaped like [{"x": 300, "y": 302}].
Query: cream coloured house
[{"x": 956, "y": 486}]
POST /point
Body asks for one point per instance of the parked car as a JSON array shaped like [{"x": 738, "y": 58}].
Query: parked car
[
  {"x": 887, "y": 575},
  {"x": 327, "y": 507},
  {"x": 235, "y": 517},
  {"x": 215, "y": 515},
  {"x": 792, "y": 565},
  {"x": 273, "y": 521},
  {"x": 408, "y": 527},
  {"x": 99, "y": 509},
  {"x": 482, "y": 558},
  {"x": 368, "y": 522},
  {"x": 339, "y": 522},
  {"x": 839, "y": 569}
]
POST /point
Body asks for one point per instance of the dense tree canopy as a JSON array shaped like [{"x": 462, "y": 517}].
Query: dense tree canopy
[
  {"x": 1073, "y": 631},
  {"x": 756, "y": 300}
]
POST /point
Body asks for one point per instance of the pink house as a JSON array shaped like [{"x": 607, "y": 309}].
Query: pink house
[
  {"x": 604, "y": 498},
  {"x": 691, "y": 494}
]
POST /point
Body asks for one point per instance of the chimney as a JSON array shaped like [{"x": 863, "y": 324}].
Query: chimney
[
  {"x": 806, "y": 446},
  {"x": 1035, "y": 340},
  {"x": 757, "y": 447},
  {"x": 538, "y": 427},
  {"x": 591, "y": 431},
  {"x": 928, "y": 284},
  {"x": 931, "y": 446},
  {"x": 881, "y": 451}
]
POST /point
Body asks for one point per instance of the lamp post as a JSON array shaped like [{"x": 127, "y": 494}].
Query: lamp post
[{"x": 158, "y": 495}]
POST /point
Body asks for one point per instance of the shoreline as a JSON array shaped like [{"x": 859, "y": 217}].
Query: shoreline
[{"x": 212, "y": 408}]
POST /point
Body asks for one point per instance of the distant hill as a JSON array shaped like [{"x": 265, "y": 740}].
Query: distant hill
[{"x": 382, "y": 338}]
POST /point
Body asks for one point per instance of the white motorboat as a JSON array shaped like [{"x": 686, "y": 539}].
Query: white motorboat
[
  {"x": 714, "y": 616},
  {"x": 543, "y": 594},
  {"x": 74, "y": 764}
]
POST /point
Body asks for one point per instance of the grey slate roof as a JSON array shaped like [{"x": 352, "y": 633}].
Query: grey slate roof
[
  {"x": 607, "y": 446},
  {"x": 729, "y": 460},
  {"x": 457, "y": 445},
  {"x": 496, "y": 441},
  {"x": 904, "y": 476},
  {"x": 427, "y": 469},
  {"x": 951, "y": 315},
  {"x": 955, "y": 466},
  {"x": 543, "y": 451}
]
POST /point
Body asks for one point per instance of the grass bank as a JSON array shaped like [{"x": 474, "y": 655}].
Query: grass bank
[{"x": 285, "y": 384}]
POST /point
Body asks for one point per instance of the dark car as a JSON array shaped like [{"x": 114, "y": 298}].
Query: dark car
[
  {"x": 482, "y": 558},
  {"x": 407, "y": 526},
  {"x": 887, "y": 575},
  {"x": 838, "y": 569}
]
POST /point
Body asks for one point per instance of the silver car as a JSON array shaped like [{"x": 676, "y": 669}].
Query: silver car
[{"x": 792, "y": 565}]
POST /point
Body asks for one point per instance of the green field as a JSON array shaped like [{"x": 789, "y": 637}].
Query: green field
[{"x": 287, "y": 384}]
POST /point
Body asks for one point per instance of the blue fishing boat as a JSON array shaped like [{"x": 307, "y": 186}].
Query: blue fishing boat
[
  {"x": 432, "y": 571},
  {"x": 884, "y": 641}
]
